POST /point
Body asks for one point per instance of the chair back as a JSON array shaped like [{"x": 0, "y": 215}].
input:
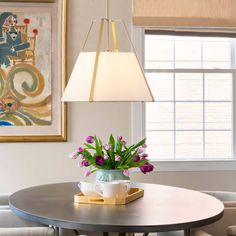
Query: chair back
[
  {"x": 219, "y": 228},
  {"x": 4, "y": 199}
]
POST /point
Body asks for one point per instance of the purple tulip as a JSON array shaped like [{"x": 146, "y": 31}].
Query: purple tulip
[
  {"x": 146, "y": 168},
  {"x": 144, "y": 156},
  {"x": 84, "y": 163},
  {"x": 126, "y": 172},
  {"x": 124, "y": 142},
  {"x": 80, "y": 149},
  {"x": 117, "y": 158},
  {"x": 144, "y": 145},
  {"x": 73, "y": 155},
  {"x": 106, "y": 157},
  {"x": 136, "y": 158},
  {"x": 120, "y": 137},
  {"x": 150, "y": 167},
  {"x": 87, "y": 173},
  {"x": 90, "y": 139},
  {"x": 99, "y": 160},
  {"x": 107, "y": 147}
]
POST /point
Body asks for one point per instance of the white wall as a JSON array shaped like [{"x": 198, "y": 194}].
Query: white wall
[{"x": 27, "y": 164}]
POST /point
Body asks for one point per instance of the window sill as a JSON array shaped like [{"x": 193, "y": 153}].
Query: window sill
[{"x": 198, "y": 165}]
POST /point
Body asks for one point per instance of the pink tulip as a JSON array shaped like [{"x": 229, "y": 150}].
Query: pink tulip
[
  {"x": 144, "y": 156},
  {"x": 107, "y": 147},
  {"x": 73, "y": 155},
  {"x": 87, "y": 173},
  {"x": 140, "y": 150},
  {"x": 81, "y": 156},
  {"x": 117, "y": 158},
  {"x": 126, "y": 172}
]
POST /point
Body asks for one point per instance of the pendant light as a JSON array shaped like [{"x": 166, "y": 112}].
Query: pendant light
[{"x": 110, "y": 74}]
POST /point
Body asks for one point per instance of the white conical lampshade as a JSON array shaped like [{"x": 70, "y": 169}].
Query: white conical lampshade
[{"x": 118, "y": 78}]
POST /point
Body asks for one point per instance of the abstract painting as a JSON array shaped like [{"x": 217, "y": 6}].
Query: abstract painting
[{"x": 29, "y": 105}]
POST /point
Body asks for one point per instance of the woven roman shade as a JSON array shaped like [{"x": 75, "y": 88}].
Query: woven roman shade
[{"x": 187, "y": 13}]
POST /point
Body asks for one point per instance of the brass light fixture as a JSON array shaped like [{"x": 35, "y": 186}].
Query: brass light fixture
[{"x": 107, "y": 75}]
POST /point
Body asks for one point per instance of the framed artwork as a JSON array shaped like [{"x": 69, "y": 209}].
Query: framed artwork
[{"x": 32, "y": 70}]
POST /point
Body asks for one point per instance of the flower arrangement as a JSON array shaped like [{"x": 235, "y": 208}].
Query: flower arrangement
[{"x": 113, "y": 155}]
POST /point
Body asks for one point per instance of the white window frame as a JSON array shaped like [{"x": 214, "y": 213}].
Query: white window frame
[{"x": 138, "y": 125}]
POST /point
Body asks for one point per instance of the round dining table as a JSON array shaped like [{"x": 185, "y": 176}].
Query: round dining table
[{"x": 162, "y": 208}]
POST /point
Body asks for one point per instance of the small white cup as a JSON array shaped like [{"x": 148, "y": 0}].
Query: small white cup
[
  {"x": 87, "y": 188},
  {"x": 107, "y": 189},
  {"x": 111, "y": 189},
  {"x": 124, "y": 187}
]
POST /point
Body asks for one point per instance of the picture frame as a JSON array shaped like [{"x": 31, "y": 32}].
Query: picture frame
[{"x": 33, "y": 38}]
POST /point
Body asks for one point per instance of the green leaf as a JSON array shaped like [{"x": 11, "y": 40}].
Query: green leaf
[
  {"x": 138, "y": 164},
  {"x": 129, "y": 159},
  {"x": 89, "y": 146},
  {"x": 100, "y": 141},
  {"x": 112, "y": 142},
  {"x": 110, "y": 160},
  {"x": 94, "y": 170},
  {"x": 111, "y": 152},
  {"x": 119, "y": 147},
  {"x": 140, "y": 143},
  {"x": 98, "y": 146},
  {"x": 128, "y": 151},
  {"x": 123, "y": 167},
  {"x": 86, "y": 153}
]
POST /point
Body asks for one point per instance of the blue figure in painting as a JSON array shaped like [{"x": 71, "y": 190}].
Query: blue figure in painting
[
  {"x": 5, "y": 123},
  {"x": 3, "y": 18},
  {"x": 12, "y": 41}
]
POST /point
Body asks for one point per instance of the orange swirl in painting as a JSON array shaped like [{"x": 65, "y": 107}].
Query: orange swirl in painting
[{"x": 22, "y": 100}]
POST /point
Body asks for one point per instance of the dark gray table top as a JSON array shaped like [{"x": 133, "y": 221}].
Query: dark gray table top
[{"x": 163, "y": 208}]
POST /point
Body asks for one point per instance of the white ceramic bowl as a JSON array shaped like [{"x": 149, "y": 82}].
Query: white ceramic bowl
[{"x": 87, "y": 188}]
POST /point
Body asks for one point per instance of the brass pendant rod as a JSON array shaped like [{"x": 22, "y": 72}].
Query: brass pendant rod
[
  {"x": 87, "y": 36},
  {"x": 107, "y": 9},
  {"x": 107, "y": 21}
]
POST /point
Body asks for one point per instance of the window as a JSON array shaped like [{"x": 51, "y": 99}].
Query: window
[{"x": 192, "y": 81}]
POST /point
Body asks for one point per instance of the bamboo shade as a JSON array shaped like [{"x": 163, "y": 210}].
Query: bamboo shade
[{"x": 189, "y": 13}]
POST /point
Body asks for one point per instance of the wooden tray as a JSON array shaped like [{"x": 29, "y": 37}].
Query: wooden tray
[{"x": 134, "y": 193}]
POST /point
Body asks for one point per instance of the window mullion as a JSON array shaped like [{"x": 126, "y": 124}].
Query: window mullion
[
  {"x": 184, "y": 70},
  {"x": 174, "y": 114},
  {"x": 204, "y": 114},
  {"x": 174, "y": 103},
  {"x": 203, "y": 103},
  {"x": 233, "y": 64}
]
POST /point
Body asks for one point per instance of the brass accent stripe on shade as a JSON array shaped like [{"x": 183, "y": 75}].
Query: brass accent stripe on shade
[
  {"x": 204, "y": 13},
  {"x": 91, "y": 96},
  {"x": 113, "y": 28}
]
